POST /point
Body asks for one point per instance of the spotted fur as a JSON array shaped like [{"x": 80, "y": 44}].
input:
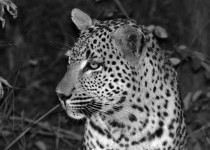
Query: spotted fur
[{"x": 121, "y": 82}]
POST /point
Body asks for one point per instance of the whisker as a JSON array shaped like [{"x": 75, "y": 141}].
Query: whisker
[
  {"x": 69, "y": 36},
  {"x": 63, "y": 44}
]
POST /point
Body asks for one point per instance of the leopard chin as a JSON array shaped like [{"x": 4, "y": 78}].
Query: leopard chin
[{"x": 74, "y": 114}]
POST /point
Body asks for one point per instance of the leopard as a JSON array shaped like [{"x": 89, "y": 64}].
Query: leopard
[{"x": 124, "y": 87}]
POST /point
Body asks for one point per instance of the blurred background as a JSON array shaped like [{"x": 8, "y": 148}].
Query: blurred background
[{"x": 32, "y": 60}]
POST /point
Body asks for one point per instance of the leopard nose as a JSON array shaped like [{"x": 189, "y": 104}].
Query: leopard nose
[{"x": 63, "y": 97}]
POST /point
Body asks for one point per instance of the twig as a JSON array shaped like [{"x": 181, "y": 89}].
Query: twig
[
  {"x": 199, "y": 32},
  {"x": 57, "y": 140},
  {"x": 27, "y": 129},
  {"x": 118, "y": 3}
]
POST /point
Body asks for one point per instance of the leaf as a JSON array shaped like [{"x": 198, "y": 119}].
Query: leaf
[
  {"x": 182, "y": 50},
  {"x": 160, "y": 32},
  {"x": 196, "y": 95},
  {"x": 41, "y": 145},
  {"x": 199, "y": 55},
  {"x": 10, "y": 7},
  {"x": 196, "y": 64},
  {"x": 2, "y": 80},
  {"x": 187, "y": 101},
  {"x": 151, "y": 28},
  {"x": 110, "y": 14},
  {"x": 182, "y": 47},
  {"x": 208, "y": 94},
  {"x": 33, "y": 62},
  {"x": 174, "y": 61},
  {"x": 206, "y": 66},
  {"x": 6, "y": 133},
  {"x": 207, "y": 75}
]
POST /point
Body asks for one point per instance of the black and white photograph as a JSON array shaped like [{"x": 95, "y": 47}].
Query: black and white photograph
[{"x": 104, "y": 75}]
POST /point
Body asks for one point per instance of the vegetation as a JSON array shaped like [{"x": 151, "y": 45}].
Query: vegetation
[{"x": 32, "y": 62}]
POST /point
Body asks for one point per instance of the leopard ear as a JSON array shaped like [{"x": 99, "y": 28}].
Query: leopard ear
[
  {"x": 130, "y": 41},
  {"x": 81, "y": 19}
]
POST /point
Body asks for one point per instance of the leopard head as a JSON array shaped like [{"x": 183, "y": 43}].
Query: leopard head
[{"x": 102, "y": 68}]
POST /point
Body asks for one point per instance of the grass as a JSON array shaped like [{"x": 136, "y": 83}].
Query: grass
[{"x": 11, "y": 123}]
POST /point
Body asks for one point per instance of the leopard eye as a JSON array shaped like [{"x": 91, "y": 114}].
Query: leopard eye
[{"x": 93, "y": 65}]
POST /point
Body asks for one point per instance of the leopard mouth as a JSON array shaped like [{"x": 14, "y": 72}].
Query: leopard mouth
[
  {"x": 75, "y": 114},
  {"x": 78, "y": 108}
]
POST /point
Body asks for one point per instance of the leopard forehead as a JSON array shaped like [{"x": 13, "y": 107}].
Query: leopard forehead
[{"x": 97, "y": 38}]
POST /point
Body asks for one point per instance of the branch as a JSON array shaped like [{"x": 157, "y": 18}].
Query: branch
[{"x": 10, "y": 7}]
